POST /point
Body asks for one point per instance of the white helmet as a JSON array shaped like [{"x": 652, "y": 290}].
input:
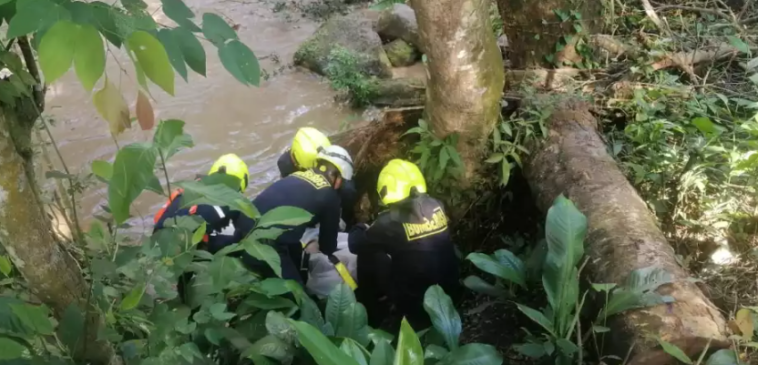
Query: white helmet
[{"x": 340, "y": 158}]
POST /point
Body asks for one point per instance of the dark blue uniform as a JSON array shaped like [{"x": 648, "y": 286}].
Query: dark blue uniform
[
  {"x": 309, "y": 190},
  {"x": 407, "y": 250},
  {"x": 347, "y": 190}
]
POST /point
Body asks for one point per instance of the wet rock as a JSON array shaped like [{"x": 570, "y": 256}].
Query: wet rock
[
  {"x": 399, "y": 22},
  {"x": 353, "y": 34},
  {"x": 399, "y": 92},
  {"x": 400, "y": 53}
]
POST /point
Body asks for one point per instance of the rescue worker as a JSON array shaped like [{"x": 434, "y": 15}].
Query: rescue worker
[
  {"x": 314, "y": 190},
  {"x": 407, "y": 250},
  {"x": 302, "y": 155}
]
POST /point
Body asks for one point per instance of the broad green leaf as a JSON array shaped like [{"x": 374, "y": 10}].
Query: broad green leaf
[
  {"x": 218, "y": 311},
  {"x": 409, "y": 350},
  {"x": 352, "y": 349},
  {"x": 5, "y": 266},
  {"x": 383, "y": 354},
  {"x": 339, "y": 300},
  {"x": 34, "y": 15},
  {"x": 538, "y": 318},
  {"x": 10, "y": 350},
  {"x": 324, "y": 352},
  {"x": 273, "y": 347},
  {"x": 71, "y": 327},
  {"x": 565, "y": 230},
  {"x": 675, "y": 351},
  {"x": 444, "y": 158},
  {"x": 241, "y": 62},
  {"x": 197, "y": 236},
  {"x": 435, "y": 352},
  {"x": 153, "y": 59},
  {"x": 473, "y": 354},
  {"x": 102, "y": 169},
  {"x": 192, "y": 51},
  {"x": 144, "y": 110},
  {"x": 189, "y": 351},
  {"x": 132, "y": 172},
  {"x": 491, "y": 266},
  {"x": 104, "y": 18},
  {"x": 174, "y": 52},
  {"x": 264, "y": 253},
  {"x": 603, "y": 287},
  {"x": 89, "y": 59},
  {"x": 284, "y": 216},
  {"x": 508, "y": 259},
  {"x": 34, "y": 317},
  {"x": 223, "y": 270},
  {"x": 310, "y": 313},
  {"x": 600, "y": 329},
  {"x": 278, "y": 325},
  {"x": 178, "y": 11},
  {"x": 377, "y": 335},
  {"x": 533, "y": 350},
  {"x": 494, "y": 158},
  {"x": 505, "y": 172},
  {"x": 217, "y": 30},
  {"x": 739, "y": 44},
  {"x": 273, "y": 287},
  {"x": 170, "y": 137},
  {"x": 478, "y": 285},
  {"x": 353, "y": 323},
  {"x": 132, "y": 299},
  {"x": 110, "y": 104},
  {"x": 197, "y": 193},
  {"x": 444, "y": 317},
  {"x": 57, "y": 49},
  {"x": 724, "y": 357},
  {"x": 706, "y": 126}
]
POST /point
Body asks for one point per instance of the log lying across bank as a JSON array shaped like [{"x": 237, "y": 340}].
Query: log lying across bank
[{"x": 622, "y": 236}]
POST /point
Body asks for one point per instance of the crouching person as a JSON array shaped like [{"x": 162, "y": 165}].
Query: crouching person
[{"x": 405, "y": 251}]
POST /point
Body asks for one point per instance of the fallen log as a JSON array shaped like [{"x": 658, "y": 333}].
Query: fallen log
[{"x": 622, "y": 237}]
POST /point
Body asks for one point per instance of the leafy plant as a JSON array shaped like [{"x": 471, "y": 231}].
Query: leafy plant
[
  {"x": 504, "y": 265},
  {"x": 345, "y": 74},
  {"x": 438, "y": 159}
]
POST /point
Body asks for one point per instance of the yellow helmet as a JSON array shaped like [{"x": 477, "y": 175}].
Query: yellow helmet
[
  {"x": 397, "y": 180},
  {"x": 306, "y": 145},
  {"x": 231, "y": 164}
]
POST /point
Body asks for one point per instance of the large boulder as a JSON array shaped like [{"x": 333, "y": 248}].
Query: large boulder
[
  {"x": 351, "y": 33},
  {"x": 401, "y": 92},
  {"x": 399, "y": 22},
  {"x": 401, "y": 53}
]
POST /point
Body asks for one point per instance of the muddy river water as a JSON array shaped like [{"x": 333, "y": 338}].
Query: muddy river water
[{"x": 221, "y": 114}]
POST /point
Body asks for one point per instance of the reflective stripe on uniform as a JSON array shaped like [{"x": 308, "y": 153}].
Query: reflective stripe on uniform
[{"x": 162, "y": 211}]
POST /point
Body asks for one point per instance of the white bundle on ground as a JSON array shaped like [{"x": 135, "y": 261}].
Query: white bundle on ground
[{"x": 322, "y": 276}]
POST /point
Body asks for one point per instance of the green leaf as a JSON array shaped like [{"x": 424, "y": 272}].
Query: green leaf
[
  {"x": 383, "y": 354},
  {"x": 310, "y": 313},
  {"x": 473, "y": 354},
  {"x": 491, "y": 266},
  {"x": 674, "y": 351},
  {"x": 34, "y": 317},
  {"x": 508, "y": 259},
  {"x": 177, "y": 11},
  {"x": 538, "y": 318},
  {"x": 352, "y": 349},
  {"x": 216, "y": 30},
  {"x": 71, "y": 327},
  {"x": 339, "y": 300},
  {"x": 269, "y": 303},
  {"x": 723, "y": 357},
  {"x": 110, "y": 104},
  {"x": 505, "y": 172},
  {"x": 57, "y": 49},
  {"x": 192, "y": 50},
  {"x": 600, "y": 329},
  {"x": 324, "y": 352},
  {"x": 273, "y": 287},
  {"x": 265, "y": 253},
  {"x": 153, "y": 59},
  {"x": 218, "y": 311},
  {"x": 34, "y": 15},
  {"x": 221, "y": 195},
  {"x": 89, "y": 59},
  {"x": 435, "y": 352},
  {"x": 478, "y": 285},
  {"x": 495, "y": 158},
  {"x": 603, "y": 287},
  {"x": 444, "y": 158},
  {"x": 189, "y": 351},
  {"x": 5, "y": 266},
  {"x": 273, "y": 347},
  {"x": 278, "y": 325},
  {"x": 199, "y": 233},
  {"x": 132, "y": 172},
  {"x": 223, "y": 270},
  {"x": 706, "y": 126},
  {"x": 739, "y": 44},
  {"x": 170, "y": 137},
  {"x": 444, "y": 317},
  {"x": 10, "y": 349},
  {"x": 241, "y": 62},
  {"x": 284, "y": 216},
  {"x": 175, "y": 56},
  {"x": 565, "y": 230},
  {"x": 533, "y": 350},
  {"x": 132, "y": 299},
  {"x": 353, "y": 323},
  {"x": 409, "y": 351}
]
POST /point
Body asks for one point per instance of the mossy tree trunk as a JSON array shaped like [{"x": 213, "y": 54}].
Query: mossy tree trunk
[
  {"x": 622, "y": 236},
  {"x": 544, "y": 33},
  {"x": 465, "y": 74},
  {"x": 51, "y": 273}
]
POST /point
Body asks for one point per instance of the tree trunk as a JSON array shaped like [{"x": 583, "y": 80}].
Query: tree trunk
[
  {"x": 465, "y": 73},
  {"x": 25, "y": 231},
  {"x": 622, "y": 236},
  {"x": 544, "y": 33}
]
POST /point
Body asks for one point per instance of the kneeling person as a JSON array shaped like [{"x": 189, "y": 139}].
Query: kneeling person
[{"x": 407, "y": 250}]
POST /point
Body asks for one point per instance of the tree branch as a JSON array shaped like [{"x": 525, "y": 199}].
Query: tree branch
[{"x": 31, "y": 65}]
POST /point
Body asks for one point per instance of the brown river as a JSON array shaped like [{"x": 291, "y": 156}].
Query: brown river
[{"x": 221, "y": 114}]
